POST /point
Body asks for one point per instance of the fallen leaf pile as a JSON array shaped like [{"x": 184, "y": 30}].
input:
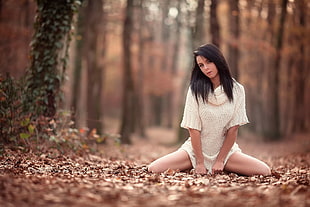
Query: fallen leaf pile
[{"x": 30, "y": 179}]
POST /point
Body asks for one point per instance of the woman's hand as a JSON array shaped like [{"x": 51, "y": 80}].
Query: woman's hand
[
  {"x": 218, "y": 167},
  {"x": 200, "y": 169}
]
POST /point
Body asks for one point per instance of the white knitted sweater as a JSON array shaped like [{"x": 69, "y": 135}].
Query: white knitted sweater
[{"x": 213, "y": 119}]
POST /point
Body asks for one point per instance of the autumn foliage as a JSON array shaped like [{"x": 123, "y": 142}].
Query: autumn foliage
[{"x": 119, "y": 177}]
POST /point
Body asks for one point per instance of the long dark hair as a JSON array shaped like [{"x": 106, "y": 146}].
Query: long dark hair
[{"x": 200, "y": 84}]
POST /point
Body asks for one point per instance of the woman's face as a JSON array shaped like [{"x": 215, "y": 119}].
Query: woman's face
[{"x": 207, "y": 67}]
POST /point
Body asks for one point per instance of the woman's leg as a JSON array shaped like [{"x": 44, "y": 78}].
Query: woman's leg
[
  {"x": 178, "y": 160},
  {"x": 241, "y": 163}
]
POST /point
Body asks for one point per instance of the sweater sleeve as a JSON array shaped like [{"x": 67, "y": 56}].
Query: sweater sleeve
[
  {"x": 191, "y": 118},
  {"x": 239, "y": 116}
]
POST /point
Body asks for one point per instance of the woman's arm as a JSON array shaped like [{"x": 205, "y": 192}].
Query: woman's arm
[
  {"x": 230, "y": 139},
  {"x": 196, "y": 144}
]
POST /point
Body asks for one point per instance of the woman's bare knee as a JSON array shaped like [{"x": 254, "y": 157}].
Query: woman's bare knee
[
  {"x": 261, "y": 168},
  {"x": 178, "y": 160},
  {"x": 159, "y": 165},
  {"x": 264, "y": 169},
  {"x": 155, "y": 167},
  {"x": 150, "y": 168},
  {"x": 246, "y": 165}
]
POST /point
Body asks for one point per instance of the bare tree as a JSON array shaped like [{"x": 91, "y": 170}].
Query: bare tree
[
  {"x": 92, "y": 52},
  {"x": 175, "y": 59},
  {"x": 214, "y": 24},
  {"x": 139, "y": 109},
  {"x": 198, "y": 33},
  {"x": 233, "y": 45},
  {"x": 196, "y": 38},
  {"x": 273, "y": 130},
  {"x": 300, "y": 119},
  {"x": 16, "y": 29},
  {"x": 128, "y": 83}
]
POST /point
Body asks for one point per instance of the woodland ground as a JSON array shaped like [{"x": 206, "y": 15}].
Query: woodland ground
[{"x": 118, "y": 177}]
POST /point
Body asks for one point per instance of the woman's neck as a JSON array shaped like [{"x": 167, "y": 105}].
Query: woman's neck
[{"x": 216, "y": 82}]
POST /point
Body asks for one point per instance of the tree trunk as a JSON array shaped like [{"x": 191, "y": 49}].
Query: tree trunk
[
  {"x": 167, "y": 114},
  {"x": 214, "y": 23},
  {"x": 288, "y": 109},
  {"x": 233, "y": 45},
  {"x": 262, "y": 73},
  {"x": 301, "y": 75},
  {"x": 0, "y": 9},
  {"x": 140, "y": 119},
  {"x": 196, "y": 38},
  {"x": 92, "y": 51},
  {"x": 174, "y": 64},
  {"x": 77, "y": 78},
  {"x": 273, "y": 130},
  {"x": 128, "y": 86},
  {"x": 163, "y": 99},
  {"x": 16, "y": 30},
  {"x": 198, "y": 33},
  {"x": 49, "y": 51}
]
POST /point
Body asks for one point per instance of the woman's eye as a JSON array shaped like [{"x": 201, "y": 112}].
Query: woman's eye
[{"x": 209, "y": 61}]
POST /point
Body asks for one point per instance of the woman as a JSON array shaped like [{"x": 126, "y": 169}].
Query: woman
[{"x": 214, "y": 110}]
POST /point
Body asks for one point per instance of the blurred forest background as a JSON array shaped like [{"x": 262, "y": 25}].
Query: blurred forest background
[{"x": 130, "y": 60}]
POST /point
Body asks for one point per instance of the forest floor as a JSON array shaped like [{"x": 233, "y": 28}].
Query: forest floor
[{"x": 118, "y": 177}]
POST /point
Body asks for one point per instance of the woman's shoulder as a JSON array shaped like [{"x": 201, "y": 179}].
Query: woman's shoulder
[
  {"x": 237, "y": 84},
  {"x": 189, "y": 93},
  {"x": 237, "y": 87}
]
